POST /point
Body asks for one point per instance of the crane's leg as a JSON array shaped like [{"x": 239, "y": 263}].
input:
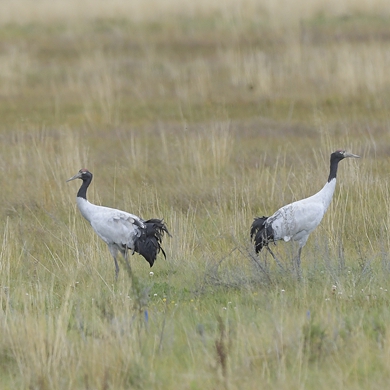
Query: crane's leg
[
  {"x": 275, "y": 258},
  {"x": 126, "y": 256},
  {"x": 116, "y": 268},
  {"x": 299, "y": 273},
  {"x": 114, "y": 252}
]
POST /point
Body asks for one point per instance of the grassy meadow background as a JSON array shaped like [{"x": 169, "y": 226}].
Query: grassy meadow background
[{"x": 205, "y": 114}]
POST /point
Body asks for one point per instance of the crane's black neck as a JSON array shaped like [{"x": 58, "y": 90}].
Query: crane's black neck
[
  {"x": 334, "y": 163},
  {"x": 83, "y": 189}
]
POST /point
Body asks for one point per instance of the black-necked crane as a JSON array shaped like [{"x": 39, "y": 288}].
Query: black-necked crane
[
  {"x": 297, "y": 220},
  {"x": 120, "y": 230}
]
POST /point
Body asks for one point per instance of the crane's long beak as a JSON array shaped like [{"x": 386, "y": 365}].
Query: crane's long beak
[
  {"x": 76, "y": 176},
  {"x": 351, "y": 155}
]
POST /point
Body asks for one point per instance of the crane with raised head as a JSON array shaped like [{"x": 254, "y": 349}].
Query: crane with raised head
[
  {"x": 297, "y": 220},
  {"x": 121, "y": 231}
]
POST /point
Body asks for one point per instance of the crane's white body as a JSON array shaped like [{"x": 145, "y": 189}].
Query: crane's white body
[
  {"x": 297, "y": 220},
  {"x": 115, "y": 227}
]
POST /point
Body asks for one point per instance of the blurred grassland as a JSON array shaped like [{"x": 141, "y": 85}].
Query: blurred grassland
[{"x": 205, "y": 114}]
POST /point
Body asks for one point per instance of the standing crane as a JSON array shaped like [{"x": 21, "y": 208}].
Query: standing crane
[
  {"x": 120, "y": 230},
  {"x": 297, "y": 220}
]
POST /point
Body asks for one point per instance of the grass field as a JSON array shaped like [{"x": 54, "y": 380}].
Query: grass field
[{"x": 205, "y": 115}]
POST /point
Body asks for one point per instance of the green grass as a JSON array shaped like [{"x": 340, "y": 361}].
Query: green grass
[{"x": 205, "y": 117}]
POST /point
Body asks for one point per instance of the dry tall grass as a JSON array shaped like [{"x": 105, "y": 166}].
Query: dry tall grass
[{"x": 205, "y": 114}]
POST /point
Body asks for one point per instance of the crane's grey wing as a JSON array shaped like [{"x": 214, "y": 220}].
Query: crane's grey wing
[
  {"x": 118, "y": 227},
  {"x": 296, "y": 220}
]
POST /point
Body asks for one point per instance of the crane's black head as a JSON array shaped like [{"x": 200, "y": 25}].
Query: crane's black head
[
  {"x": 86, "y": 177},
  {"x": 82, "y": 174},
  {"x": 338, "y": 155},
  {"x": 335, "y": 158}
]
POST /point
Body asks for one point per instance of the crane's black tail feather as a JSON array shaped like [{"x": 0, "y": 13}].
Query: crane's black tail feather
[
  {"x": 261, "y": 234},
  {"x": 148, "y": 244}
]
